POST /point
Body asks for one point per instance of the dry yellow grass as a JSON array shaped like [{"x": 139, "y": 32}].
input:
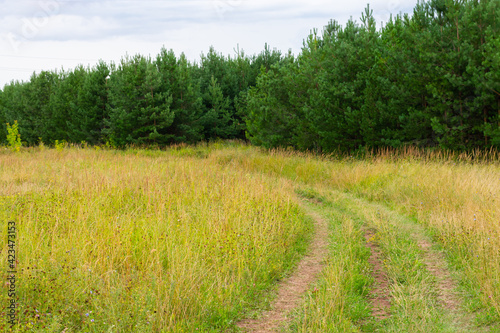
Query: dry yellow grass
[
  {"x": 456, "y": 196},
  {"x": 142, "y": 243},
  {"x": 189, "y": 238},
  {"x": 459, "y": 201}
]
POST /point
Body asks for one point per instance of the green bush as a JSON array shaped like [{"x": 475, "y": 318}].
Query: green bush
[{"x": 13, "y": 136}]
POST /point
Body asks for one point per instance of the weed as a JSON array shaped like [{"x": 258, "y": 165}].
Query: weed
[
  {"x": 60, "y": 145},
  {"x": 13, "y": 136}
]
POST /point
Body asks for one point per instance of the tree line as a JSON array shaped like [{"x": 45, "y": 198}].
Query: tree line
[
  {"x": 430, "y": 79},
  {"x": 140, "y": 101}
]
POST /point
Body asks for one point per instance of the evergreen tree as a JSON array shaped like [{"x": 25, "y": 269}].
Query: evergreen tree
[
  {"x": 217, "y": 121},
  {"x": 29, "y": 104},
  {"x": 13, "y": 102},
  {"x": 482, "y": 20},
  {"x": 272, "y": 118},
  {"x": 226, "y": 73},
  {"x": 427, "y": 79},
  {"x": 37, "y": 111},
  {"x": 139, "y": 112},
  {"x": 89, "y": 111},
  {"x": 177, "y": 80},
  {"x": 337, "y": 65},
  {"x": 62, "y": 103}
]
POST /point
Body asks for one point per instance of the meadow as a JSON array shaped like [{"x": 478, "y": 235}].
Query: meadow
[{"x": 195, "y": 238}]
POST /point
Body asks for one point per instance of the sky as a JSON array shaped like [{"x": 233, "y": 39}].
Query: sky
[{"x": 40, "y": 35}]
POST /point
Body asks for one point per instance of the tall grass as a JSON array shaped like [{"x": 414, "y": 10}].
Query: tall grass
[
  {"x": 134, "y": 243},
  {"x": 457, "y": 196},
  {"x": 191, "y": 238},
  {"x": 457, "y": 200}
]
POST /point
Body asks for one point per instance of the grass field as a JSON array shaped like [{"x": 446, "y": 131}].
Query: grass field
[{"x": 195, "y": 238}]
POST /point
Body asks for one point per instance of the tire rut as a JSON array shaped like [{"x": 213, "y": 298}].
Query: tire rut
[
  {"x": 446, "y": 287},
  {"x": 290, "y": 290},
  {"x": 445, "y": 293},
  {"x": 380, "y": 300},
  {"x": 435, "y": 263}
]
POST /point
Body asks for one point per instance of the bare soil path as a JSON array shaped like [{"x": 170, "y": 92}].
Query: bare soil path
[
  {"x": 436, "y": 296},
  {"x": 379, "y": 295},
  {"x": 291, "y": 290},
  {"x": 436, "y": 265},
  {"x": 446, "y": 287}
]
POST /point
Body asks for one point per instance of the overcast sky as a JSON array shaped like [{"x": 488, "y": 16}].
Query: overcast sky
[{"x": 49, "y": 34}]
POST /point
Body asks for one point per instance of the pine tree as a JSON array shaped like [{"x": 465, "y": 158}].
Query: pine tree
[
  {"x": 225, "y": 72},
  {"x": 62, "y": 103},
  {"x": 139, "y": 112},
  {"x": 217, "y": 121},
  {"x": 89, "y": 111},
  {"x": 272, "y": 119},
  {"x": 14, "y": 99},
  {"x": 177, "y": 80},
  {"x": 38, "y": 109}
]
